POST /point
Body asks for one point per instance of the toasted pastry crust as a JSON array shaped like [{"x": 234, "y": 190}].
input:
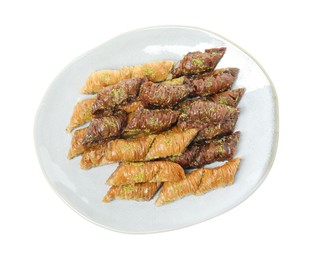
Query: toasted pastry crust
[
  {"x": 81, "y": 114},
  {"x": 77, "y": 147},
  {"x": 219, "y": 149},
  {"x": 155, "y": 71},
  {"x": 199, "y": 182},
  {"x": 151, "y": 121},
  {"x": 139, "y": 191},
  {"x": 102, "y": 129},
  {"x": 134, "y": 149},
  {"x": 198, "y": 62},
  {"x": 171, "y": 143},
  {"x": 111, "y": 96},
  {"x": 214, "y": 82},
  {"x": 228, "y": 98},
  {"x": 157, "y": 95},
  {"x": 157, "y": 171}
]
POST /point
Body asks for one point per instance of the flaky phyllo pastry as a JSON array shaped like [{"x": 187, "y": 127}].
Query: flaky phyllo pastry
[
  {"x": 140, "y": 181},
  {"x": 228, "y": 98},
  {"x": 118, "y": 150},
  {"x": 93, "y": 156},
  {"x": 81, "y": 114},
  {"x": 197, "y": 155},
  {"x": 77, "y": 147},
  {"x": 198, "y": 62},
  {"x": 213, "y": 82},
  {"x": 139, "y": 191},
  {"x": 199, "y": 182},
  {"x": 211, "y": 119},
  {"x": 139, "y": 148},
  {"x": 138, "y": 172},
  {"x": 157, "y": 119},
  {"x": 155, "y": 71},
  {"x": 163, "y": 95},
  {"x": 114, "y": 95},
  {"x": 170, "y": 143},
  {"x": 129, "y": 150},
  {"x": 151, "y": 121},
  {"x": 104, "y": 128}
]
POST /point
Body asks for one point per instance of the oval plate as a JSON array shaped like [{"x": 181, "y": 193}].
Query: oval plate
[{"x": 83, "y": 190}]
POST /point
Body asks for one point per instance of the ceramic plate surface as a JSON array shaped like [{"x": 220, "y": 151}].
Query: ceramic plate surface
[{"x": 83, "y": 190}]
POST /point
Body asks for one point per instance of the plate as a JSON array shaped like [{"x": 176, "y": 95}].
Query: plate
[{"x": 83, "y": 190}]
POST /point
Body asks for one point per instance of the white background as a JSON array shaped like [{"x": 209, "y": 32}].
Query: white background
[{"x": 39, "y": 38}]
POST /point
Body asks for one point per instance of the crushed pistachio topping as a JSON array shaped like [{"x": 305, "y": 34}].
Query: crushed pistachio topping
[
  {"x": 86, "y": 114},
  {"x": 173, "y": 82},
  {"x": 220, "y": 149},
  {"x": 219, "y": 141},
  {"x": 183, "y": 115},
  {"x": 128, "y": 188},
  {"x": 212, "y": 109},
  {"x": 197, "y": 62},
  {"x": 230, "y": 109},
  {"x": 148, "y": 71},
  {"x": 172, "y": 158},
  {"x": 222, "y": 100},
  {"x": 110, "y": 122},
  {"x": 139, "y": 177},
  {"x": 167, "y": 140},
  {"x": 211, "y": 130},
  {"x": 153, "y": 121},
  {"x": 177, "y": 188},
  {"x": 118, "y": 93},
  {"x": 137, "y": 164},
  {"x": 209, "y": 81},
  {"x": 184, "y": 108}
]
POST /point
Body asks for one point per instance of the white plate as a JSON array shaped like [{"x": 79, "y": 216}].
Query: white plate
[{"x": 83, "y": 190}]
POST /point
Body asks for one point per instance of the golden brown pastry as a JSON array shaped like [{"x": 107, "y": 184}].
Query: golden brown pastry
[
  {"x": 81, "y": 114},
  {"x": 118, "y": 150},
  {"x": 139, "y": 191},
  {"x": 155, "y": 71},
  {"x": 133, "y": 149},
  {"x": 77, "y": 147},
  {"x": 199, "y": 182},
  {"x": 218, "y": 177},
  {"x": 157, "y": 171},
  {"x": 92, "y": 156},
  {"x": 171, "y": 191},
  {"x": 171, "y": 143}
]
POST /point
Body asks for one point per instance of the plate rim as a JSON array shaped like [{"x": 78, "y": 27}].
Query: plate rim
[{"x": 274, "y": 145}]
